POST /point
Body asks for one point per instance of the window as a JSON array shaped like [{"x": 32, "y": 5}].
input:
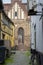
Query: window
[
  {"x": 3, "y": 36},
  {"x": 15, "y": 13},
  {"x": 20, "y": 35}
]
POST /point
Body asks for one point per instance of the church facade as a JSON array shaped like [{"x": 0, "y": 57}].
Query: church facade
[{"x": 17, "y": 12}]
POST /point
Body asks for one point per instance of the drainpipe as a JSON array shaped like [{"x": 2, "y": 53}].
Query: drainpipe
[{"x": 0, "y": 24}]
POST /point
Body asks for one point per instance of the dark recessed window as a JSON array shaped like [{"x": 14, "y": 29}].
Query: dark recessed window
[{"x": 15, "y": 13}]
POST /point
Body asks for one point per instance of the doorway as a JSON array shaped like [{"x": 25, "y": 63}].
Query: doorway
[{"x": 21, "y": 35}]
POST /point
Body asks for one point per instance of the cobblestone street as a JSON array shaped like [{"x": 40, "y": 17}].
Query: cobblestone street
[{"x": 20, "y": 58}]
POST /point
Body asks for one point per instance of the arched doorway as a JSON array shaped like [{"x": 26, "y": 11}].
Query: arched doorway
[{"x": 20, "y": 35}]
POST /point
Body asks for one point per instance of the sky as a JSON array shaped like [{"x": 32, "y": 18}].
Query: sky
[{"x": 8, "y": 1}]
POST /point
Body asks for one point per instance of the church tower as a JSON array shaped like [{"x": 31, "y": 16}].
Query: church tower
[{"x": 17, "y": 12}]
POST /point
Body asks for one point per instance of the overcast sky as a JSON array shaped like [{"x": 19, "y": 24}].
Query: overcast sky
[{"x": 8, "y": 1}]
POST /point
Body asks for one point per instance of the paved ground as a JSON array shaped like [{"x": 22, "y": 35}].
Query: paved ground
[
  {"x": 22, "y": 47},
  {"x": 20, "y": 58}
]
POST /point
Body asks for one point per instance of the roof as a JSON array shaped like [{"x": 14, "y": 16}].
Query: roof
[
  {"x": 7, "y": 17},
  {"x": 2, "y": 10}
]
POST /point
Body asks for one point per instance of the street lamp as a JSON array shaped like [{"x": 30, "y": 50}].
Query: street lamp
[{"x": 16, "y": 25}]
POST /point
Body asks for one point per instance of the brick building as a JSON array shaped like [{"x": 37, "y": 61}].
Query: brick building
[{"x": 17, "y": 12}]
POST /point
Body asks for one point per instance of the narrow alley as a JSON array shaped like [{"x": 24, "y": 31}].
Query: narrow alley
[
  {"x": 19, "y": 58},
  {"x": 21, "y": 32}
]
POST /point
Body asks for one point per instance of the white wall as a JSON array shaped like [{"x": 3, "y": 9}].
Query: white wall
[
  {"x": 33, "y": 18},
  {"x": 39, "y": 33}
]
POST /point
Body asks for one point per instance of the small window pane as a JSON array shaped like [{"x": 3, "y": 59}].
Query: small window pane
[{"x": 15, "y": 13}]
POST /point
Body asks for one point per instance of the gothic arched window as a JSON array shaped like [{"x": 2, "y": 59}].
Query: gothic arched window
[{"x": 20, "y": 35}]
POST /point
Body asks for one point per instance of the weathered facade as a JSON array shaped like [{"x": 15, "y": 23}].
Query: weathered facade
[
  {"x": 18, "y": 14},
  {"x": 6, "y": 28}
]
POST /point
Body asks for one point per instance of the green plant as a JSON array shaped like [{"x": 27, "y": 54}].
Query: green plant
[{"x": 27, "y": 53}]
